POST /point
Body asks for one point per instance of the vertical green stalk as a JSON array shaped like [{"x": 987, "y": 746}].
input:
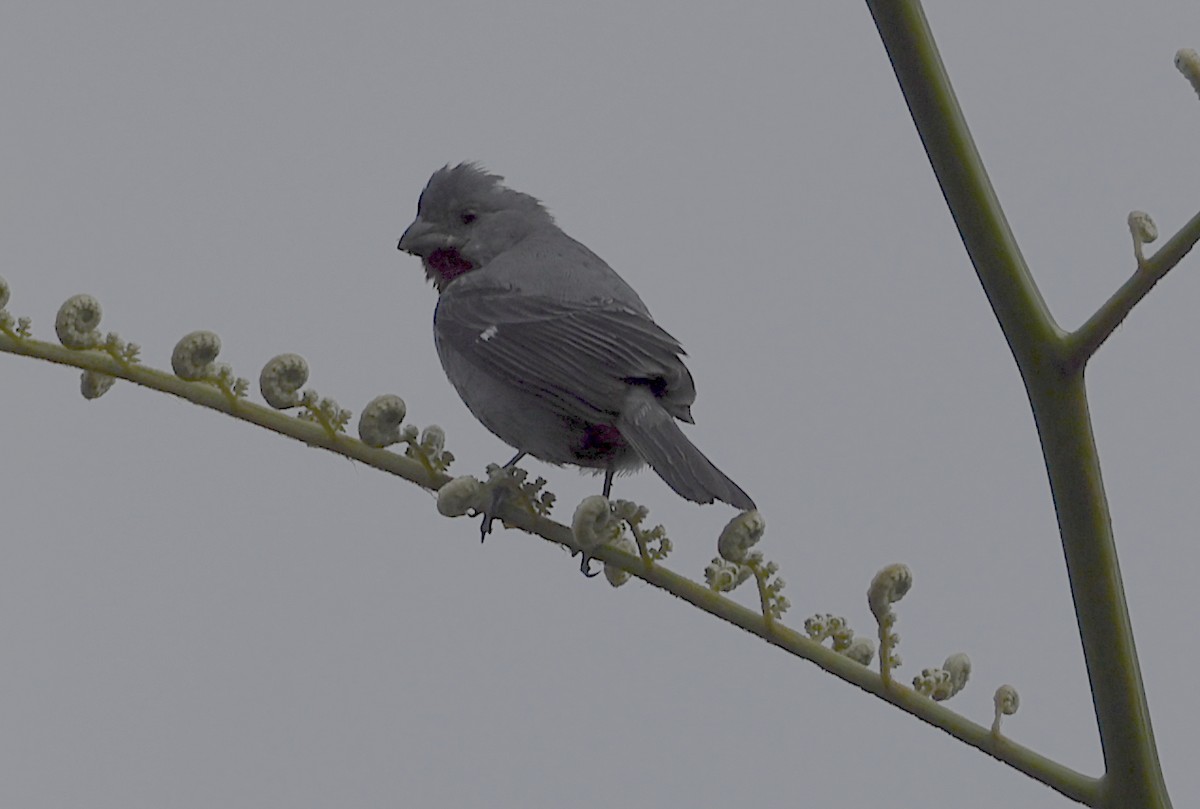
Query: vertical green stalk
[{"x": 1133, "y": 776}]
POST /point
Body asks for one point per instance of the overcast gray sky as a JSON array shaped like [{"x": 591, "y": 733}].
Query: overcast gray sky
[{"x": 196, "y": 613}]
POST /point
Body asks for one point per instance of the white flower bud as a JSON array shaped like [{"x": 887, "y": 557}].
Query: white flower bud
[
  {"x": 593, "y": 523},
  {"x": 615, "y": 575},
  {"x": 77, "y": 321},
  {"x": 1142, "y": 226},
  {"x": 722, "y": 576},
  {"x": 889, "y": 586},
  {"x": 379, "y": 424},
  {"x": 193, "y": 356},
  {"x": 459, "y": 496},
  {"x": 741, "y": 534},
  {"x": 281, "y": 380},
  {"x": 93, "y": 385},
  {"x": 433, "y": 439},
  {"x": 1006, "y": 701},
  {"x": 958, "y": 666},
  {"x": 1188, "y": 62},
  {"x": 861, "y": 650}
]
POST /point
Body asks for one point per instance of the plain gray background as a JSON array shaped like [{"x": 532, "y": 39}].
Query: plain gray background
[{"x": 197, "y": 613}]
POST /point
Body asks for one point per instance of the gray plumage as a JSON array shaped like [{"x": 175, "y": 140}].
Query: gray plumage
[{"x": 549, "y": 348}]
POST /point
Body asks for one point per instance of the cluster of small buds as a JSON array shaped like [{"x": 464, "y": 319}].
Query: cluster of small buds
[
  {"x": 1006, "y": 701},
  {"x": 428, "y": 447},
  {"x": 653, "y": 543},
  {"x": 722, "y": 576},
  {"x": 532, "y": 492},
  {"x": 1188, "y": 62},
  {"x": 889, "y": 586},
  {"x": 1144, "y": 232},
  {"x": 835, "y": 629},
  {"x": 941, "y": 684},
  {"x": 379, "y": 422},
  {"x": 821, "y": 627},
  {"x": 194, "y": 359},
  {"x": 324, "y": 411},
  {"x": 770, "y": 589},
  {"x": 23, "y": 324}
]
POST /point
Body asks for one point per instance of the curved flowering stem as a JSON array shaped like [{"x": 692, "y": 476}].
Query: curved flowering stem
[
  {"x": 216, "y": 398},
  {"x": 1051, "y": 365},
  {"x": 620, "y": 560}
]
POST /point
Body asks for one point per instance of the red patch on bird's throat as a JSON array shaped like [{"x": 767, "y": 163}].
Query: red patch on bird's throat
[{"x": 445, "y": 264}]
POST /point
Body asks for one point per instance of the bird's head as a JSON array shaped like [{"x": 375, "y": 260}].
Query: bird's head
[{"x": 465, "y": 218}]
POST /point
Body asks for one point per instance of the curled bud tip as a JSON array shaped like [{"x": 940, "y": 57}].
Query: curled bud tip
[
  {"x": 741, "y": 534},
  {"x": 193, "y": 356},
  {"x": 1142, "y": 227},
  {"x": 889, "y": 586},
  {"x": 281, "y": 380},
  {"x": 860, "y": 650},
  {"x": 1188, "y": 63},
  {"x": 379, "y": 424},
  {"x": 593, "y": 523},
  {"x": 615, "y": 575},
  {"x": 459, "y": 496},
  {"x": 93, "y": 385},
  {"x": 4, "y": 292},
  {"x": 959, "y": 667},
  {"x": 77, "y": 321},
  {"x": 1006, "y": 702}
]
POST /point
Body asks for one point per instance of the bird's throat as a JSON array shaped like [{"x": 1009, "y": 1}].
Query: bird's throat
[{"x": 444, "y": 265}]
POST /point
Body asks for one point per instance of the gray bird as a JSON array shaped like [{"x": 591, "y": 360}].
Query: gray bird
[{"x": 547, "y": 345}]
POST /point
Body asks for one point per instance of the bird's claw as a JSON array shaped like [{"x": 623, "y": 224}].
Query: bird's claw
[
  {"x": 490, "y": 514},
  {"x": 585, "y": 564}
]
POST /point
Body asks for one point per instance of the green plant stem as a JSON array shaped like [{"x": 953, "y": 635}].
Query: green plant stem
[
  {"x": 1133, "y": 775},
  {"x": 1062, "y": 779},
  {"x": 212, "y": 396},
  {"x": 1084, "y": 342}
]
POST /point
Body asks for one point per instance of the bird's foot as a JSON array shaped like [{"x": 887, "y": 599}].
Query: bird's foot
[{"x": 585, "y": 564}]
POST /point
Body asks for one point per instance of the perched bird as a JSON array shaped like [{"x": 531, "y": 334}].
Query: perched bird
[{"x": 547, "y": 345}]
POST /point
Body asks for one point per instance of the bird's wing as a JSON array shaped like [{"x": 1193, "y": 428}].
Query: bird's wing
[{"x": 584, "y": 356}]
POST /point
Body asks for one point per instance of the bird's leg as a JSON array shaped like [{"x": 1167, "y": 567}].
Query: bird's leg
[
  {"x": 608, "y": 476},
  {"x": 497, "y": 497}
]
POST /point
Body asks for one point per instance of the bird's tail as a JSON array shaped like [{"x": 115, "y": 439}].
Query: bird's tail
[{"x": 653, "y": 433}]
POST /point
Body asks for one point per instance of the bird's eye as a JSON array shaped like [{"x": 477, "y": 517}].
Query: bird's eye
[{"x": 467, "y": 217}]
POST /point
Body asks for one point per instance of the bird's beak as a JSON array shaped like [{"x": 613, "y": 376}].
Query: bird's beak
[{"x": 421, "y": 239}]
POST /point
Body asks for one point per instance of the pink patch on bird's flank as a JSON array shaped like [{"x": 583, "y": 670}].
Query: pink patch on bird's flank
[
  {"x": 445, "y": 264},
  {"x": 600, "y": 443}
]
